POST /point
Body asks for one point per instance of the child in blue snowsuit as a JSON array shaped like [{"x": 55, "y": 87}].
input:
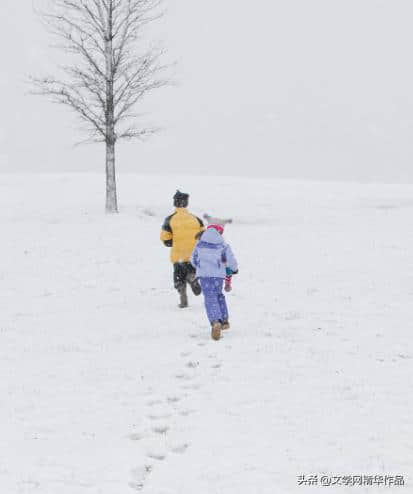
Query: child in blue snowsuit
[{"x": 213, "y": 260}]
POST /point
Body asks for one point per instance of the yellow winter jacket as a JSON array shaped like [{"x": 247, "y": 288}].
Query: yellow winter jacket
[{"x": 179, "y": 231}]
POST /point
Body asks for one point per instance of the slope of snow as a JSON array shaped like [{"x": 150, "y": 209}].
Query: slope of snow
[{"x": 107, "y": 387}]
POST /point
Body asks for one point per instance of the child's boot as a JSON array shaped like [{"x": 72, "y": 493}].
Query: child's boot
[
  {"x": 225, "y": 325},
  {"x": 216, "y": 330}
]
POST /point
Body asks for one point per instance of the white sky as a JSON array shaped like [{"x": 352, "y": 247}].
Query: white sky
[{"x": 319, "y": 89}]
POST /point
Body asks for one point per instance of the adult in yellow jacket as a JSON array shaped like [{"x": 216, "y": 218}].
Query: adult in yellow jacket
[{"x": 179, "y": 232}]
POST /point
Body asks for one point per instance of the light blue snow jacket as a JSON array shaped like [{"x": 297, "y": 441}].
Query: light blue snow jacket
[{"x": 212, "y": 256}]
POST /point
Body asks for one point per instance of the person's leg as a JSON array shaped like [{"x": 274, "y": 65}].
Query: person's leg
[
  {"x": 210, "y": 289},
  {"x": 212, "y": 306},
  {"x": 216, "y": 325},
  {"x": 192, "y": 279},
  {"x": 180, "y": 284},
  {"x": 221, "y": 300}
]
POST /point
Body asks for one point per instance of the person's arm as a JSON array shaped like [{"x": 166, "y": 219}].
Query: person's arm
[
  {"x": 166, "y": 233},
  {"x": 195, "y": 258},
  {"x": 231, "y": 262}
]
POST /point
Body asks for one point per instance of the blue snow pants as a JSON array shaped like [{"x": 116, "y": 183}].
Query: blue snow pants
[{"x": 215, "y": 303}]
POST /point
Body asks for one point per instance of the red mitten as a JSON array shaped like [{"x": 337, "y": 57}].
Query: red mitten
[{"x": 228, "y": 280}]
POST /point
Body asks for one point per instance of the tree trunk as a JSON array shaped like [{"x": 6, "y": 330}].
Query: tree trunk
[{"x": 111, "y": 196}]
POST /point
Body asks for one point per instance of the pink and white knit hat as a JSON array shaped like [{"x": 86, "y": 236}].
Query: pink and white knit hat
[{"x": 218, "y": 228}]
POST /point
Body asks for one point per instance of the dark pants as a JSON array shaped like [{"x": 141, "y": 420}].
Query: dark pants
[{"x": 184, "y": 273}]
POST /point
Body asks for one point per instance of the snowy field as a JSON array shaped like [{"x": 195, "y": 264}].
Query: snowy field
[{"x": 108, "y": 388}]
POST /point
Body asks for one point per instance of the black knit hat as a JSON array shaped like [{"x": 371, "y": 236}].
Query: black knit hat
[{"x": 181, "y": 199}]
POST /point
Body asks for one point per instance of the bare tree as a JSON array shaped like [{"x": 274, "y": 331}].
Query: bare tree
[{"x": 108, "y": 72}]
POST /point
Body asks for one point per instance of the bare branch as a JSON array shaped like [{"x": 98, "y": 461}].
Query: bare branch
[{"x": 68, "y": 95}]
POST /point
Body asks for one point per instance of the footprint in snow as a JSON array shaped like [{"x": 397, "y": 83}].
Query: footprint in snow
[
  {"x": 137, "y": 486},
  {"x": 139, "y": 475},
  {"x": 137, "y": 436},
  {"x": 173, "y": 398},
  {"x": 191, "y": 386},
  {"x": 154, "y": 402},
  {"x": 179, "y": 448},
  {"x": 156, "y": 454},
  {"x": 159, "y": 415},
  {"x": 192, "y": 364},
  {"x": 184, "y": 376},
  {"x": 160, "y": 428},
  {"x": 292, "y": 316}
]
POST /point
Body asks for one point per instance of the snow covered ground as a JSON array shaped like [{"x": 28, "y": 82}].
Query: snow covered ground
[{"x": 107, "y": 387}]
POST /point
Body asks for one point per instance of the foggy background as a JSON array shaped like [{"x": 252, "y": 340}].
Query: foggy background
[{"x": 318, "y": 89}]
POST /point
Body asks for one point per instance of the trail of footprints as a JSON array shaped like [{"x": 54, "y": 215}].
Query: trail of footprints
[{"x": 158, "y": 437}]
